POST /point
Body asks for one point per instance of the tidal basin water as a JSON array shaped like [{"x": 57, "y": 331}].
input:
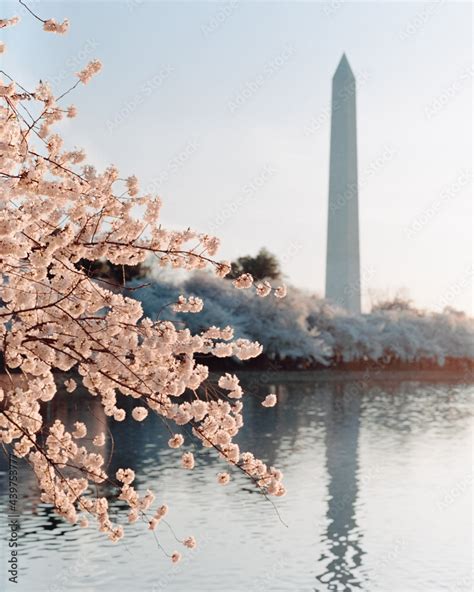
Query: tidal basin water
[{"x": 379, "y": 499}]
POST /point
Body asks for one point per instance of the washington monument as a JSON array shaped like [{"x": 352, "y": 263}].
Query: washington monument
[{"x": 342, "y": 256}]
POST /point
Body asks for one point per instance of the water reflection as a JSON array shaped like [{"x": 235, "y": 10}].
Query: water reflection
[
  {"x": 355, "y": 456},
  {"x": 342, "y": 540}
]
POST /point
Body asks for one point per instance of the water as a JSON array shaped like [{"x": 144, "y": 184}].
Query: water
[{"x": 379, "y": 486}]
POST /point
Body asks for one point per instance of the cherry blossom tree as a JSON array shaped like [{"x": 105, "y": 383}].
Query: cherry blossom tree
[
  {"x": 306, "y": 328},
  {"x": 56, "y": 211}
]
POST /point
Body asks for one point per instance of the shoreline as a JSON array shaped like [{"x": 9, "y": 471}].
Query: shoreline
[
  {"x": 459, "y": 372},
  {"x": 368, "y": 376}
]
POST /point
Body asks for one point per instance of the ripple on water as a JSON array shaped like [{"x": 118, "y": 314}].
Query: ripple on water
[{"x": 378, "y": 498}]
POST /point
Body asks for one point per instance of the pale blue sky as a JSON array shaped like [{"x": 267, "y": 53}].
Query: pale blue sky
[{"x": 241, "y": 92}]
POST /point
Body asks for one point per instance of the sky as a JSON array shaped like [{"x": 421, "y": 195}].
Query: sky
[{"x": 223, "y": 109}]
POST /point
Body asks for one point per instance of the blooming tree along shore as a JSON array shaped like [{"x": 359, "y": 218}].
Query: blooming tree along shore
[
  {"x": 308, "y": 328},
  {"x": 56, "y": 211}
]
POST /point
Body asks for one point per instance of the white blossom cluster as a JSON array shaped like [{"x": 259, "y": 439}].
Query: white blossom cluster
[
  {"x": 55, "y": 211},
  {"x": 191, "y": 304}
]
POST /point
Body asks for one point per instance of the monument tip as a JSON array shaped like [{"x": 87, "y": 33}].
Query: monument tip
[{"x": 344, "y": 67}]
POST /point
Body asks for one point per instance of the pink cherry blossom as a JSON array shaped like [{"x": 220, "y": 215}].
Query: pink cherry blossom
[
  {"x": 223, "y": 478},
  {"x": 139, "y": 413},
  {"x": 60, "y": 215},
  {"x": 190, "y": 542},
  {"x": 187, "y": 460},
  {"x": 53, "y": 27},
  {"x": 269, "y": 401},
  {"x": 176, "y": 441}
]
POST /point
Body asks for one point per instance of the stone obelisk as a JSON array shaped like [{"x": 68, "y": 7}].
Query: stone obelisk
[{"x": 342, "y": 257}]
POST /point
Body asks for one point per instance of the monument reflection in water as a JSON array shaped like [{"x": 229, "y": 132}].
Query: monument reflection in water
[{"x": 343, "y": 537}]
